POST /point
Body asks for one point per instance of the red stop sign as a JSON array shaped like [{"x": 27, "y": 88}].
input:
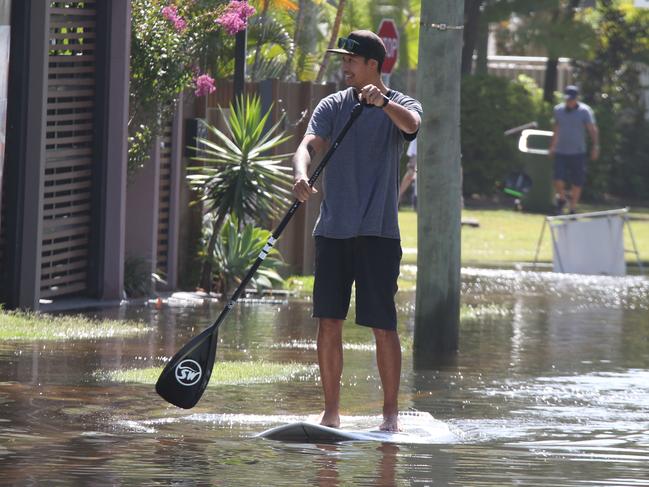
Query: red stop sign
[{"x": 388, "y": 32}]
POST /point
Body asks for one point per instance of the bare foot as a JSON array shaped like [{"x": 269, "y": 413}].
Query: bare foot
[
  {"x": 391, "y": 424},
  {"x": 331, "y": 420}
]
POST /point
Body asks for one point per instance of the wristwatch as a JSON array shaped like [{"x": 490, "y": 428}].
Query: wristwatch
[{"x": 386, "y": 100}]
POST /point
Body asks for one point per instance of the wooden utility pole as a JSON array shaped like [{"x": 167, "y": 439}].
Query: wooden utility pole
[{"x": 437, "y": 312}]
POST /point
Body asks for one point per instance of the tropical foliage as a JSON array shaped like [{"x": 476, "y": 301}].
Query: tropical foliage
[
  {"x": 170, "y": 52},
  {"x": 236, "y": 250},
  {"x": 238, "y": 174}
]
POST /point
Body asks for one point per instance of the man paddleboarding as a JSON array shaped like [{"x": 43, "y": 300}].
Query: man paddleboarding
[{"x": 356, "y": 235}]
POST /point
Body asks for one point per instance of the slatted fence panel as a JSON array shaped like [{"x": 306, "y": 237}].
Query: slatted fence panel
[
  {"x": 3, "y": 225},
  {"x": 69, "y": 148},
  {"x": 164, "y": 201}
]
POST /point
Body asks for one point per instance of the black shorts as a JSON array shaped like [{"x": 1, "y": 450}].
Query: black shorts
[
  {"x": 371, "y": 262},
  {"x": 570, "y": 168}
]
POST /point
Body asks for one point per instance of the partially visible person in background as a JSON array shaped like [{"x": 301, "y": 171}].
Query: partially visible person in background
[
  {"x": 568, "y": 147},
  {"x": 410, "y": 177}
]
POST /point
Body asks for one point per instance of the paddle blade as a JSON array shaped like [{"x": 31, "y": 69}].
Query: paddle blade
[{"x": 185, "y": 377}]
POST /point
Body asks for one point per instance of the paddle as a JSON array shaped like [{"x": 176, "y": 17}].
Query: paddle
[{"x": 185, "y": 377}]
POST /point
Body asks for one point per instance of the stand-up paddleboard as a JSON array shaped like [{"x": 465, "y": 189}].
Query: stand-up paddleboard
[{"x": 417, "y": 427}]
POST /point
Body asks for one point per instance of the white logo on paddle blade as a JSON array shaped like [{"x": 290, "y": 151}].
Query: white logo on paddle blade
[{"x": 188, "y": 372}]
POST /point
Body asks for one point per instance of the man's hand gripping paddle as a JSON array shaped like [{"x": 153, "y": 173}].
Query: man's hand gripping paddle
[{"x": 185, "y": 377}]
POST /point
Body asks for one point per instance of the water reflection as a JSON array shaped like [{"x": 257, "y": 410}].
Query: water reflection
[
  {"x": 550, "y": 387},
  {"x": 330, "y": 472}
]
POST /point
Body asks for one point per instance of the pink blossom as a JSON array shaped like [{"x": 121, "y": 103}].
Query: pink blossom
[
  {"x": 243, "y": 7},
  {"x": 231, "y": 22},
  {"x": 204, "y": 85},
  {"x": 180, "y": 24},
  {"x": 171, "y": 14},
  {"x": 235, "y": 17}
]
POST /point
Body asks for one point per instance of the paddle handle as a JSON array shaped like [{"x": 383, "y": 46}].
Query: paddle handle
[{"x": 356, "y": 111}]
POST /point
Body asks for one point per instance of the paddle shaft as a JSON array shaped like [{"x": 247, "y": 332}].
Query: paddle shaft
[{"x": 356, "y": 111}]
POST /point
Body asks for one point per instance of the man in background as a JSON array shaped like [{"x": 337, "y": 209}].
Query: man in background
[
  {"x": 410, "y": 176},
  {"x": 568, "y": 147}
]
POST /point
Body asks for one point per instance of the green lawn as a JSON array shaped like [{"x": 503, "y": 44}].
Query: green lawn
[
  {"x": 225, "y": 373},
  {"x": 16, "y": 325},
  {"x": 505, "y": 237}
]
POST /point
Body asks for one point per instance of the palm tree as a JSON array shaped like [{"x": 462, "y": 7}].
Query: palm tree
[
  {"x": 239, "y": 176},
  {"x": 261, "y": 20},
  {"x": 332, "y": 39},
  {"x": 271, "y": 34},
  {"x": 307, "y": 39}
]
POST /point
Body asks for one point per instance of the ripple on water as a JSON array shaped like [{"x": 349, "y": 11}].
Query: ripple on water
[
  {"x": 629, "y": 291},
  {"x": 600, "y": 414}
]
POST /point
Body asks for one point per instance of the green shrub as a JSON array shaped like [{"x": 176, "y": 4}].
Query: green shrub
[
  {"x": 137, "y": 277},
  {"x": 611, "y": 85},
  {"x": 491, "y": 105},
  {"x": 237, "y": 250}
]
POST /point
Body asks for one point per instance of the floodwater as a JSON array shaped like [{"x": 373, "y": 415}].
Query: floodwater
[{"x": 550, "y": 387}]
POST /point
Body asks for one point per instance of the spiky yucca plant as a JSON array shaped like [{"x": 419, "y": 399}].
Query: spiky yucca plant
[{"x": 239, "y": 175}]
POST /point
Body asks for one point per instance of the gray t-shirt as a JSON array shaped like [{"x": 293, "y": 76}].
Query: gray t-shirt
[
  {"x": 361, "y": 180},
  {"x": 572, "y": 128}
]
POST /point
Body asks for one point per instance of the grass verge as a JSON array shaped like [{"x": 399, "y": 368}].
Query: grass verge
[
  {"x": 505, "y": 237},
  {"x": 22, "y": 326},
  {"x": 224, "y": 373}
]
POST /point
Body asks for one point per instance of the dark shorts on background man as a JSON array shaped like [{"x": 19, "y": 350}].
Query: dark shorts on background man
[
  {"x": 570, "y": 168},
  {"x": 371, "y": 262}
]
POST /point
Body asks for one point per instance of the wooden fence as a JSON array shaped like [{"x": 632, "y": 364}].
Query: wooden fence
[{"x": 511, "y": 67}]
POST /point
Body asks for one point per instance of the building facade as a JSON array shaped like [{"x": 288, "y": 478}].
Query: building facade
[{"x": 63, "y": 174}]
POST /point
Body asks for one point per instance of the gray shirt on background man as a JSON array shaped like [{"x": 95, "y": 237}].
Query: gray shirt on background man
[
  {"x": 572, "y": 128},
  {"x": 361, "y": 181}
]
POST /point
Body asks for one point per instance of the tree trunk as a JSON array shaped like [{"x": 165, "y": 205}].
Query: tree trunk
[
  {"x": 437, "y": 312},
  {"x": 299, "y": 20},
  {"x": 550, "y": 80},
  {"x": 471, "y": 29},
  {"x": 262, "y": 18},
  {"x": 332, "y": 40},
  {"x": 206, "y": 272},
  {"x": 482, "y": 47},
  {"x": 551, "y": 66}
]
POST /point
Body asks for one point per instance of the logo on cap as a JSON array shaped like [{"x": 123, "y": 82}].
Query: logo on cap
[{"x": 188, "y": 372}]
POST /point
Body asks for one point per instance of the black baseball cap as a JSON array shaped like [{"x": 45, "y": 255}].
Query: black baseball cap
[
  {"x": 361, "y": 43},
  {"x": 571, "y": 92}
]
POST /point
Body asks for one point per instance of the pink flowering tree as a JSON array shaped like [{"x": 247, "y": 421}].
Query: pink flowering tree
[
  {"x": 235, "y": 17},
  {"x": 173, "y": 48},
  {"x": 271, "y": 45}
]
